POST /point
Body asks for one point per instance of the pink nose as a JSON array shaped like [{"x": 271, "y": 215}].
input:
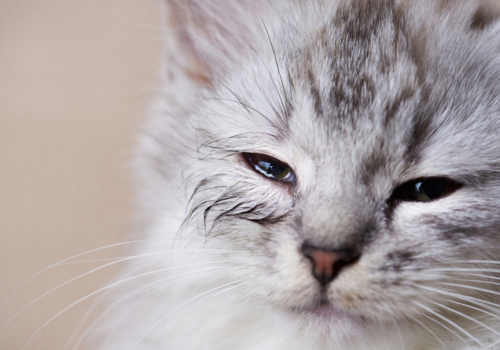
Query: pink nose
[{"x": 327, "y": 263}]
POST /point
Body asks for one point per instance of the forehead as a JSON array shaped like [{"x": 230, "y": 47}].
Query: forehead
[
  {"x": 363, "y": 88},
  {"x": 352, "y": 76},
  {"x": 362, "y": 51},
  {"x": 357, "y": 80}
]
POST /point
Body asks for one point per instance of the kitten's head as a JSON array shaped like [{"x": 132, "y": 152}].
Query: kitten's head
[{"x": 349, "y": 152}]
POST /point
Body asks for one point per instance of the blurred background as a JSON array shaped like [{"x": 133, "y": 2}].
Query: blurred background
[{"x": 75, "y": 79}]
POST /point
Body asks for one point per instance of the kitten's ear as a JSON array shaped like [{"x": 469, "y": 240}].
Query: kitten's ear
[
  {"x": 486, "y": 14},
  {"x": 214, "y": 33}
]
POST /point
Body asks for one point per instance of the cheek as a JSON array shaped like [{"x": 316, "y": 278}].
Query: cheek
[
  {"x": 290, "y": 264},
  {"x": 378, "y": 286},
  {"x": 282, "y": 274},
  {"x": 414, "y": 229},
  {"x": 445, "y": 230},
  {"x": 398, "y": 270}
]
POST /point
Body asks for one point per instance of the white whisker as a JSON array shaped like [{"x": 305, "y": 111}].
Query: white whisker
[
  {"x": 479, "y": 281},
  {"x": 149, "y": 287},
  {"x": 469, "y": 287},
  {"x": 468, "y": 298},
  {"x": 85, "y": 298},
  {"x": 430, "y": 330},
  {"x": 477, "y": 275},
  {"x": 168, "y": 280},
  {"x": 114, "y": 260},
  {"x": 465, "y": 316},
  {"x": 451, "y": 323},
  {"x": 88, "y": 273},
  {"x": 476, "y": 262},
  {"x": 465, "y": 269},
  {"x": 94, "y": 306},
  {"x": 239, "y": 284},
  {"x": 477, "y": 309},
  {"x": 68, "y": 259},
  {"x": 400, "y": 335}
]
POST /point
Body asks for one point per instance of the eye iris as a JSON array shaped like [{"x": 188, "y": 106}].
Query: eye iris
[
  {"x": 271, "y": 169},
  {"x": 430, "y": 190}
]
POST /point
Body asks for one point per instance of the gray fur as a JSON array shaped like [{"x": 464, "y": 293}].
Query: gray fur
[{"x": 358, "y": 97}]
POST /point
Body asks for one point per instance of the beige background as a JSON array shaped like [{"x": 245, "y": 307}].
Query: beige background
[{"x": 75, "y": 77}]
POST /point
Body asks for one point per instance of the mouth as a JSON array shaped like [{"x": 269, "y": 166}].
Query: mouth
[
  {"x": 325, "y": 319},
  {"x": 327, "y": 312}
]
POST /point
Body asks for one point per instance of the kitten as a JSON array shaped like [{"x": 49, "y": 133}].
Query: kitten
[{"x": 318, "y": 175}]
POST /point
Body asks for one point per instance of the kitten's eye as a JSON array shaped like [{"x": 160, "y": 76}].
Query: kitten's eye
[
  {"x": 270, "y": 167},
  {"x": 425, "y": 190}
]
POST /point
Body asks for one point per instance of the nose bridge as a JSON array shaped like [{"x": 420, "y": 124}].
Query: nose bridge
[{"x": 335, "y": 218}]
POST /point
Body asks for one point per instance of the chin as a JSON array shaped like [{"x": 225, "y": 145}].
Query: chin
[{"x": 326, "y": 323}]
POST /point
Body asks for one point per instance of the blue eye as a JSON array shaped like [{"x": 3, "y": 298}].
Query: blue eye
[{"x": 270, "y": 167}]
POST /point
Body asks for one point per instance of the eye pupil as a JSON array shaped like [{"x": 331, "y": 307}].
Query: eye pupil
[
  {"x": 272, "y": 169},
  {"x": 276, "y": 170},
  {"x": 431, "y": 189}
]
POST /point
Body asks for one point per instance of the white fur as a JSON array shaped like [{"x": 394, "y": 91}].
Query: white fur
[{"x": 235, "y": 284}]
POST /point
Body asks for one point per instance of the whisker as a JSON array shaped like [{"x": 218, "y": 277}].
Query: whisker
[
  {"x": 70, "y": 258},
  {"x": 430, "y": 330},
  {"x": 400, "y": 335},
  {"x": 466, "y": 269},
  {"x": 83, "y": 319},
  {"x": 477, "y": 275},
  {"x": 458, "y": 296},
  {"x": 477, "y": 309},
  {"x": 465, "y": 316},
  {"x": 246, "y": 106},
  {"x": 477, "y": 281},
  {"x": 451, "y": 323},
  {"x": 186, "y": 302},
  {"x": 477, "y": 262},
  {"x": 170, "y": 279},
  {"x": 109, "y": 309},
  {"x": 90, "y": 261},
  {"x": 492, "y": 346},
  {"x": 203, "y": 300},
  {"x": 94, "y": 306},
  {"x": 447, "y": 329},
  {"x": 142, "y": 255},
  {"x": 85, "y": 298},
  {"x": 210, "y": 312},
  {"x": 149, "y": 287},
  {"x": 83, "y": 275},
  {"x": 469, "y": 287},
  {"x": 60, "y": 286}
]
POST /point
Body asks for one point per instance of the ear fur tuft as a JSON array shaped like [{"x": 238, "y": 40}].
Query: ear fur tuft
[{"x": 213, "y": 32}]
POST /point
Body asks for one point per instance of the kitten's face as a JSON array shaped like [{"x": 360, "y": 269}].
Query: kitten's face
[{"x": 362, "y": 113}]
